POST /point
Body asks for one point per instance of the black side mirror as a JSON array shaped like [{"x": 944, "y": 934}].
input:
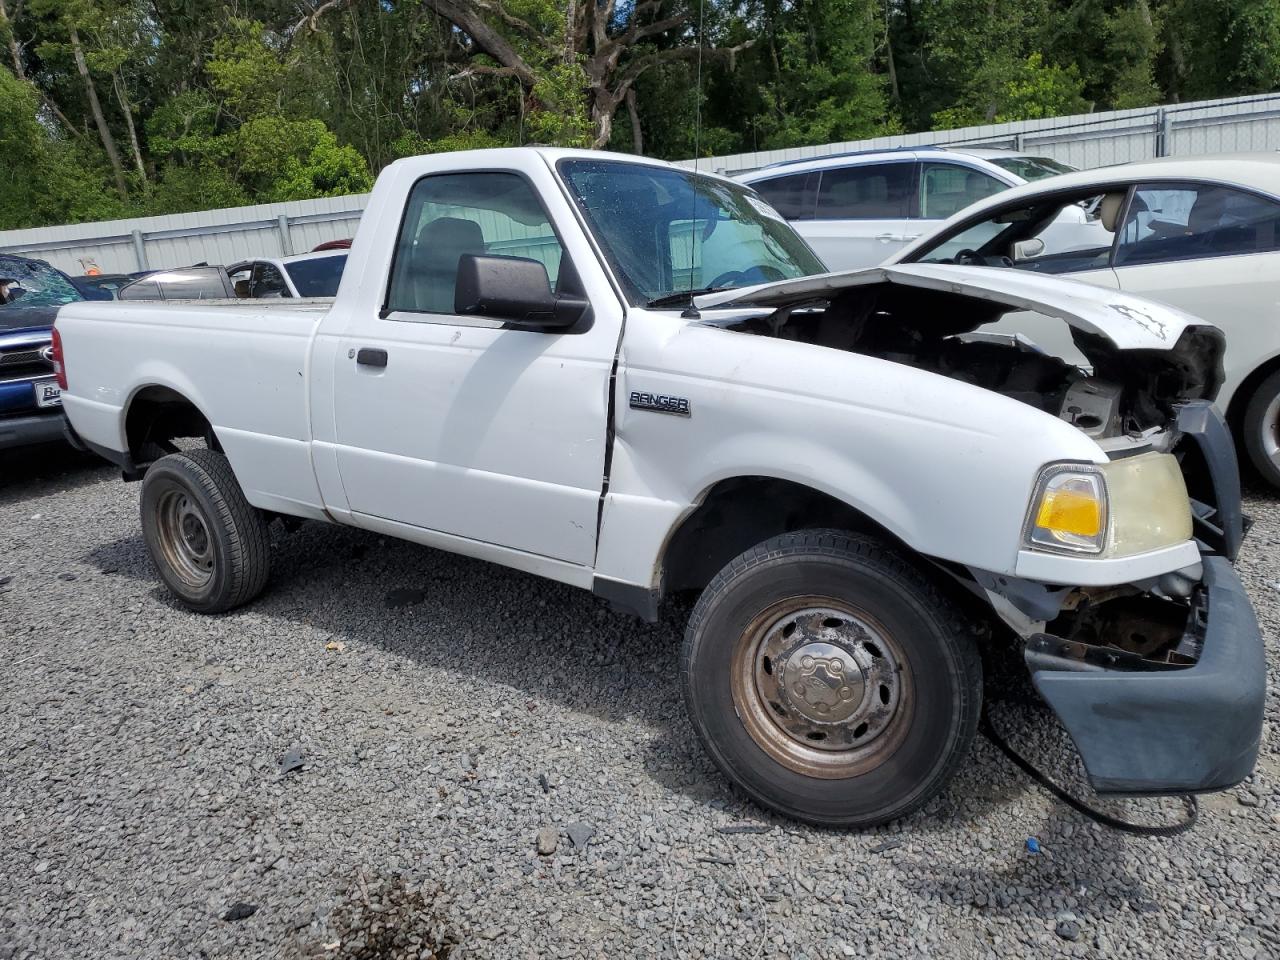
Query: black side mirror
[{"x": 515, "y": 290}]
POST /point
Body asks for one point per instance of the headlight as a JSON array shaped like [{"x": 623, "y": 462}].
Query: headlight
[{"x": 1115, "y": 509}]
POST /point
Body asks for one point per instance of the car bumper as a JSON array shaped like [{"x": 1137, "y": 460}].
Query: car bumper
[
  {"x": 1187, "y": 729},
  {"x": 30, "y": 429}
]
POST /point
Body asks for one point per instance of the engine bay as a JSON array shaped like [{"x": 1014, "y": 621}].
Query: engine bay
[{"x": 1127, "y": 393}]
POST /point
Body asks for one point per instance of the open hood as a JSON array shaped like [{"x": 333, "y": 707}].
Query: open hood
[{"x": 1127, "y": 322}]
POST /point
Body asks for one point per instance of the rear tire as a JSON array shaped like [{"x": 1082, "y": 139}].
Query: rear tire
[
  {"x": 830, "y": 679},
  {"x": 1262, "y": 429},
  {"x": 209, "y": 544}
]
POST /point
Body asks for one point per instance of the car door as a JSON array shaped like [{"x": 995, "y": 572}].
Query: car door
[
  {"x": 458, "y": 424},
  {"x": 1213, "y": 251},
  {"x": 862, "y": 214}
]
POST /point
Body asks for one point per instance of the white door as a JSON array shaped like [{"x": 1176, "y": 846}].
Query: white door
[
  {"x": 863, "y": 214},
  {"x": 455, "y": 424},
  {"x": 1211, "y": 251}
]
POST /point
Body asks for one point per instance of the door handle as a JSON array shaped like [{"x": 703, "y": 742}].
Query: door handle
[
  {"x": 371, "y": 357},
  {"x": 888, "y": 237}
]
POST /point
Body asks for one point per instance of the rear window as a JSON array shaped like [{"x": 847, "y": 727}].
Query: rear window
[
  {"x": 792, "y": 196},
  {"x": 319, "y": 277}
]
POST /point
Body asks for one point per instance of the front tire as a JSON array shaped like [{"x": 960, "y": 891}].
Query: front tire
[
  {"x": 1262, "y": 429},
  {"x": 209, "y": 544},
  {"x": 830, "y": 679}
]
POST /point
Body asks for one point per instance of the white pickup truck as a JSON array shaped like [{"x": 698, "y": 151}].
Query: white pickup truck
[{"x": 636, "y": 379}]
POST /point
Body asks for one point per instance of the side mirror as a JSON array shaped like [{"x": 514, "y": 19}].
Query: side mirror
[
  {"x": 1028, "y": 249},
  {"x": 242, "y": 288},
  {"x": 515, "y": 290}
]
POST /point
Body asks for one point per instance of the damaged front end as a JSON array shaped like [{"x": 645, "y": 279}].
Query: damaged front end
[{"x": 1133, "y": 623}]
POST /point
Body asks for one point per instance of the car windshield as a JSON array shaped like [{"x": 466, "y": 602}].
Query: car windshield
[
  {"x": 318, "y": 277},
  {"x": 33, "y": 283},
  {"x": 1032, "y": 168},
  {"x": 668, "y": 231}
]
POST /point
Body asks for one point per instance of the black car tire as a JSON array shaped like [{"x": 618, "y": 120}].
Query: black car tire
[
  {"x": 209, "y": 544},
  {"x": 938, "y": 668},
  {"x": 1262, "y": 429}
]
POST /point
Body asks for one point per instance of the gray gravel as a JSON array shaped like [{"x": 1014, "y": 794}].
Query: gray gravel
[{"x": 354, "y": 769}]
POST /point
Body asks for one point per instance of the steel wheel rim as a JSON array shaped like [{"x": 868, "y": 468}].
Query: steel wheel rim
[
  {"x": 1271, "y": 430},
  {"x": 184, "y": 538},
  {"x": 822, "y": 687}
]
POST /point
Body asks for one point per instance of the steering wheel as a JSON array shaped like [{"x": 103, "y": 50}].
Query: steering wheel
[
  {"x": 760, "y": 273},
  {"x": 969, "y": 256}
]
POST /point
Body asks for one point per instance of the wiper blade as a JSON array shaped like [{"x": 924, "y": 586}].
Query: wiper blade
[{"x": 682, "y": 296}]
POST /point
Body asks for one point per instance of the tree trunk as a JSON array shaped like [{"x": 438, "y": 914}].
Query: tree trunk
[
  {"x": 888, "y": 46},
  {"x": 123, "y": 97},
  {"x": 108, "y": 144},
  {"x": 14, "y": 50},
  {"x": 637, "y": 135}
]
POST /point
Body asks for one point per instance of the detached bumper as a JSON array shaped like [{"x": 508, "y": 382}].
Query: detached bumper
[
  {"x": 1178, "y": 730},
  {"x": 31, "y": 429}
]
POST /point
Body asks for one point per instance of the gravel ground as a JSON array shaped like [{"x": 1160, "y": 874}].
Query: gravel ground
[{"x": 362, "y": 762}]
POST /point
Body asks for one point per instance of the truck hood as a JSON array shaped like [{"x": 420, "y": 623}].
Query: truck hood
[
  {"x": 16, "y": 317},
  {"x": 1126, "y": 322}
]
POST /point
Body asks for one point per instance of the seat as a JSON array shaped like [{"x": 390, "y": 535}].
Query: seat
[{"x": 433, "y": 263}]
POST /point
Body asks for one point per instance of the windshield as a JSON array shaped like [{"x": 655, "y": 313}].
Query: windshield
[
  {"x": 319, "y": 277},
  {"x": 1032, "y": 168},
  {"x": 33, "y": 283},
  {"x": 667, "y": 231}
]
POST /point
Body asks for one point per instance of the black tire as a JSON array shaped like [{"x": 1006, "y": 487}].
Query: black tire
[
  {"x": 197, "y": 491},
  {"x": 1261, "y": 428},
  {"x": 940, "y": 677}
]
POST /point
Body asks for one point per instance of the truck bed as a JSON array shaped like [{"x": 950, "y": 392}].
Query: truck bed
[{"x": 244, "y": 366}]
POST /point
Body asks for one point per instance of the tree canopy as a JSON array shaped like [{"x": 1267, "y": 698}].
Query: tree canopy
[{"x": 112, "y": 108}]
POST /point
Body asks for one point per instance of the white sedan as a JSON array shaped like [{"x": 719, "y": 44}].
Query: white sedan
[{"x": 1200, "y": 233}]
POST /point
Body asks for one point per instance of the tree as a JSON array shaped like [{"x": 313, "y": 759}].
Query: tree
[{"x": 575, "y": 61}]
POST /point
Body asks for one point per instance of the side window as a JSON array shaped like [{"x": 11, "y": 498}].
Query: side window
[
  {"x": 1176, "y": 222},
  {"x": 947, "y": 188},
  {"x": 268, "y": 284},
  {"x": 451, "y": 215},
  {"x": 793, "y": 196},
  {"x": 872, "y": 191}
]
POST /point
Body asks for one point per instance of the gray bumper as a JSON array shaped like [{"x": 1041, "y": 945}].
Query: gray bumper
[
  {"x": 1182, "y": 730},
  {"x": 34, "y": 428}
]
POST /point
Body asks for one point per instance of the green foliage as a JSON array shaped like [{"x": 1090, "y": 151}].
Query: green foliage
[{"x": 232, "y": 103}]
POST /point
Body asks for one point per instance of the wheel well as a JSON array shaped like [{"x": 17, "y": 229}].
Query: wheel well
[
  {"x": 159, "y": 415},
  {"x": 739, "y": 513},
  {"x": 1244, "y": 393}
]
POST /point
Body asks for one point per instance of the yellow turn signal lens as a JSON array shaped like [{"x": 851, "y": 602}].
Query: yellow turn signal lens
[{"x": 1070, "y": 511}]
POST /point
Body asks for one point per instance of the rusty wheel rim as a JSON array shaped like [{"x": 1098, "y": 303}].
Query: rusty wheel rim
[
  {"x": 184, "y": 538},
  {"x": 822, "y": 687}
]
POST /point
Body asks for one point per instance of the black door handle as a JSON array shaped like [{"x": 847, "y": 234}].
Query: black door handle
[{"x": 371, "y": 357}]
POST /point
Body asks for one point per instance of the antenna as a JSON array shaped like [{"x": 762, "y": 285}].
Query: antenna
[{"x": 695, "y": 235}]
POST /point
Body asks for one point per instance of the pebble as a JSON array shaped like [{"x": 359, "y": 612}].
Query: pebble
[{"x": 140, "y": 799}]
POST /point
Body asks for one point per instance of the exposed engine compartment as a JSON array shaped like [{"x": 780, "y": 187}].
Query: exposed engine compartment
[{"x": 1127, "y": 392}]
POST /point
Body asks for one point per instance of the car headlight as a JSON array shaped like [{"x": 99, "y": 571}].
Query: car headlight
[{"x": 1117, "y": 509}]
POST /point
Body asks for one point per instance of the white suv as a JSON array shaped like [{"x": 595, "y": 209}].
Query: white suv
[{"x": 856, "y": 209}]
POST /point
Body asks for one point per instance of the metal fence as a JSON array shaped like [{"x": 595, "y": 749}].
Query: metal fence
[
  {"x": 1088, "y": 140},
  {"x": 280, "y": 229},
  {"x": 182, "y": 239}
]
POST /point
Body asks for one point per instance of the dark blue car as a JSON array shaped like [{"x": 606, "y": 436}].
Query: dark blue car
[{"x": 31, "y": 292}]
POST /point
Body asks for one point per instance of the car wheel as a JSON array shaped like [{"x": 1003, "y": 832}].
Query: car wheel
[
  {"x": 830, "y": 679},
  {"x": 209, "y": 544},
  {"x": 1262, "y": 429}
]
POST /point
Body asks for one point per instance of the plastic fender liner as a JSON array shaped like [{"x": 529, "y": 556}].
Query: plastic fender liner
[{"x": 1182, "y": 730}]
